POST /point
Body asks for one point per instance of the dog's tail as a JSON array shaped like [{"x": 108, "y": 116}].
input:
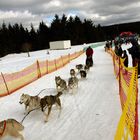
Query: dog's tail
[
  {"x": 59, "y": 94},
  {"x": 40, "y": 91}
]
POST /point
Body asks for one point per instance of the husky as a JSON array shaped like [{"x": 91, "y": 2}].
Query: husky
[
  {"x": 73, "y": 83},
  {"x": 86, "y": 68},
  {"x": 61, "y": 84},
  {"x": 30, "y": 102},
  {"x": 49, "y": 101},
  {"x": 79, "y": 67},
  {"x": 72, "y": 73},
  {"x": 11, "y": 127},
  {"x": 83, "y": 73}
]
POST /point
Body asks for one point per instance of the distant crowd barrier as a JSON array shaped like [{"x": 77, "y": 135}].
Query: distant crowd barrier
[
  {"x": 128, "y": 90},
  {"x": 13, "y": 81}
]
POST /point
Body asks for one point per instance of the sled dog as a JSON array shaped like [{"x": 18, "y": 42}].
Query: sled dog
[
  {"x": 61, "y": 84},
  {"x": 73, "y": 83},
  {"x": 30, "y": 102},
  {"x": 86, "y": 68},
  {"x": 79, "y": 67},
  {"x": 72, "y": 72},
  {"x": 11, "y": 127},
  {"x": 83, "y": 73},
  {"x": 49, "y": 101}
]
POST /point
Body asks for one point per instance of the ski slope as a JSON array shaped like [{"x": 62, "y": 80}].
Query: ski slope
[{"x": 91, "y": 113}]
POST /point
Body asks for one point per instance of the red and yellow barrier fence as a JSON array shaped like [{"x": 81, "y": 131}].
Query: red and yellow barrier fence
[
  {"x": 128, "y": 89},
  {"x": 13, "y": 81}
]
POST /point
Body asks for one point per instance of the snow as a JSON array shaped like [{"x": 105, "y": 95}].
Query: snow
[
  {"x": 91, "y": 113},
  {"x": 16, "y": 62}
]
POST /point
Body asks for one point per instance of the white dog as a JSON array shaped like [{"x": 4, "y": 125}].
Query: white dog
[{"x": 31, "y": 102}]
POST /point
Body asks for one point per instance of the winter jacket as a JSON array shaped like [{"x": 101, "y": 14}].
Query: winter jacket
[{"x": 89, "y": 52}]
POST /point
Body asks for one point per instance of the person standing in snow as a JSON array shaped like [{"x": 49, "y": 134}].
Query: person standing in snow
[
  {"x": 89, "y": 54},
  {"x": 125, "y": 56},
  {"x": 116, "y": 48},
  {"x": 120, "y": 51},
  {"x": 135, "y": 53}
]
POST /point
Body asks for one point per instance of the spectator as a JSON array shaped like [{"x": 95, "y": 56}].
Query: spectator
[
  {"x": 120, "y": 51},
  {"x": 135, "y": 53},
  {"x": 110, "y": 43},
  {"x": 116, "y": 48},
  {"x": 125, "y": 56},
  {"x": 107, "y": 46},
  {"x": 89, "y": 59}
]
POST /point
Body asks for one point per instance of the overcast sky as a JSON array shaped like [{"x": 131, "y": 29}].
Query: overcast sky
[{"x": 104, "y": 12}]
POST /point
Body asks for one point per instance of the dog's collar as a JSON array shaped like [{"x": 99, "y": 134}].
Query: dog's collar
[{"x": 3, "y": 126}]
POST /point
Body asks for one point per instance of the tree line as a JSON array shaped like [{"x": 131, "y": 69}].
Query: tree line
[{"x": 15, "y": 38}]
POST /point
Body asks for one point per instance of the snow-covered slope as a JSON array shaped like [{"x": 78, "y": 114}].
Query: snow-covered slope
[{"x": 92, "y": 113}]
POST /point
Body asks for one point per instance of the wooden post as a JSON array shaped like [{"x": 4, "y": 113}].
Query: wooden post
[
  {"x": 55, "y": 64},
  {"x": 5, "y": 83},
  {"x": 38, "y": 69},
  {"x": 136, "y": 119},
  {"x": 136, "y": 108}
]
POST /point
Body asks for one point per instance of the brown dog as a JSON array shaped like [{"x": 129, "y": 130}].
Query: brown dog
[
  {"x": 12, "y": 128},
  {"x": 49, "y": 101},
  {"x": 83, "y": 73},
  {"x": 86, "y": 68},
  {"x": 61, "y": 84}
]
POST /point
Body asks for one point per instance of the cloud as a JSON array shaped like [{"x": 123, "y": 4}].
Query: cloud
[
  {"x": 25, "y": 17},
  {"x": 103, "y": 12}
]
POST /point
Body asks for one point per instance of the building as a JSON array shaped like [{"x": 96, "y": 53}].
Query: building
[{"x": 58, "y": 45}]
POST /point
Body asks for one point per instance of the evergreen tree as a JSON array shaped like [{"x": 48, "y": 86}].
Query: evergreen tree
[
  {"x": 43, "y": 36},
  {"x": 15, "y": 38},
  {"x": 33, "y": 38}
]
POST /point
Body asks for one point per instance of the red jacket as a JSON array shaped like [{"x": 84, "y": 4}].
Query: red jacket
[{"x": 89, "y": 51}]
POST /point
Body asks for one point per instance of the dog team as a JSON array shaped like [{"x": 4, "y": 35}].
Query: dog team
[
  {"x": 12, "y": 127},
  {"x": 35, "y": 102}
]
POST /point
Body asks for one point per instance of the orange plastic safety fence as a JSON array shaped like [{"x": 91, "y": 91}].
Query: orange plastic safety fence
[
  {"x": 11, "y": 82},
  {"x": 128, "y": 125}
]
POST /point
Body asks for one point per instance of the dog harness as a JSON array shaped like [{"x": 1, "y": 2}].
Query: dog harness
[{"x": 2, "y": 127}]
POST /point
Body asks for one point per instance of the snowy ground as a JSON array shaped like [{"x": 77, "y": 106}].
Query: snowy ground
[
  {"x": 92, "y": 113},
  {"x": 16, "y": 62}
]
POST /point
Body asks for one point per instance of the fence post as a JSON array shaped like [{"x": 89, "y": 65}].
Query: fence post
[
  {"x": 5, "y": 83},
  {"x": 136, "y": 119},
  {"x": 55, "y": 64},
  {"x": 136, "y": 109},
  {"x": 38, "y": 69}
]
